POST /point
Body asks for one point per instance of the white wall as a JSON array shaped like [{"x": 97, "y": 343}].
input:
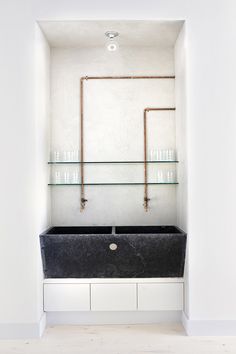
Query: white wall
[
  {"x": 42, "y": 134},
  {"x": 181, "y": 127},
  {"x": 19, "y": 246},
  {"x": 42, "y": 118},
  {"x": 23, "y": 213},
  {"x": 181, "y": 141},
  {"x": 113, "y": 131},
  {"x": 211, "y": 147}
]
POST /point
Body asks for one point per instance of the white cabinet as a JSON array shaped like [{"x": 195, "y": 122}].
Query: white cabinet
[
  {"x": 66, "y": 297},
  {"x": 162, "y": 296},
  {"x": 113, "y": 297}
]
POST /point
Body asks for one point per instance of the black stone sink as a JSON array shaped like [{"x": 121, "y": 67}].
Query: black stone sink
[
  {"x": 129, "y": 252},
  {"x": 79, "y": 230},
  {"x": 147, "y": 230}
]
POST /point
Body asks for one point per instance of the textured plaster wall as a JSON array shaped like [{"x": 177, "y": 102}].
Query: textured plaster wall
[{"x": 113, "y": 130}]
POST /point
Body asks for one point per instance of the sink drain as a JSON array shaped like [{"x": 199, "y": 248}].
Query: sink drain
[{"x": 113, "y": 246}]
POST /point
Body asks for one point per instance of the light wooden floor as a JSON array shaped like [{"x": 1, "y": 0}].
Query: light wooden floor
[{"x": 126, "y": 339}]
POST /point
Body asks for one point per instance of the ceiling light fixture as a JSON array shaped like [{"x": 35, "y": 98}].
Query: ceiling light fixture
[{"x": 112, "y": 43}]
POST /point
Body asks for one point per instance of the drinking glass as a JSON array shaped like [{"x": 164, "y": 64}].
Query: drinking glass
[
  {"x": 66, "y": 177},
  {"x": 160, "y": 177},
  {"x": 56, "y": 156},
  {"x": 57, "y": 177}
]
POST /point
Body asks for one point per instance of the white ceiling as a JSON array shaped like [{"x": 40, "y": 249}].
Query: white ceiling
[{"x": 91, "y": 33}]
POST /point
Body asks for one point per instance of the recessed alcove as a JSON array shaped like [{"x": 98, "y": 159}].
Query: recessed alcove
[{"x": 113, "y": 122}]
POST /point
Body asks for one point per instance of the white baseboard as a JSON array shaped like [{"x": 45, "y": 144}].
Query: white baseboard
[
  {"x": 112, "y": 317},
  {"x": 23, "y": 330},
  {"x": 209, "y": 327},
  {"x": 42, "y": 324}
]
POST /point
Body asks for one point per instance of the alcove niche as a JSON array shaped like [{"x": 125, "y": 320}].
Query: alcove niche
[{"x": 147, "y": 71}]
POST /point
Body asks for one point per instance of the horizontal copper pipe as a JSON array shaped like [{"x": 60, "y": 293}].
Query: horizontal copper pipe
[
  {"x": 125, "y": 77},
  {"x": 159, "y": 109}
]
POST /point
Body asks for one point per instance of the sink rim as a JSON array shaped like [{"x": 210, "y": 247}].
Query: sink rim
[{"x": 110, "y": 230}]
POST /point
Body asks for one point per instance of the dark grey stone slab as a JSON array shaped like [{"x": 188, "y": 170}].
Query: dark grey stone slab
[{"x": 141, "y": 252}]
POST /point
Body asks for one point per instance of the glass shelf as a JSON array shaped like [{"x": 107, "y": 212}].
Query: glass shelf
[
  {"x": 112, "y": 184},
  {"x": 109, "y": 162}
]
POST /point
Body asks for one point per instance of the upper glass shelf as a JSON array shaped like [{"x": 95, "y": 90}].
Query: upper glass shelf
[
  {"x": 110, "y": 162},
  {"x": 113, "y": 184}
]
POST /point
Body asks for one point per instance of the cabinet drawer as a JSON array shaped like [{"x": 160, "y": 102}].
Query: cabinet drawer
[
  {"x": 163, "y": 296},
  {"x": 113, "y": 297},
  {"x": 66, "y": 297}
]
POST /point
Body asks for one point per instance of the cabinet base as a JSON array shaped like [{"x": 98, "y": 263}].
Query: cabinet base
[{"x": 112, "y": 317}]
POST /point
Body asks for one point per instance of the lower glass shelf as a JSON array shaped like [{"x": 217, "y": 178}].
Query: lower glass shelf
[
  {"x": 112, "y": 184},
  {"x": 111, "y": 162}
]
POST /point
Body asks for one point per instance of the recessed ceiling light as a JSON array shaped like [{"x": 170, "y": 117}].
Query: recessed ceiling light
[{"x": 112, "y": 44}]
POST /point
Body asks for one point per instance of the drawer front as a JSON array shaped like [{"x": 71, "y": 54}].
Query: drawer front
[
  {"x": 113, "y": 297},
  {"x": 163, "y": 296},
  {"x": 66, "y": 297}
]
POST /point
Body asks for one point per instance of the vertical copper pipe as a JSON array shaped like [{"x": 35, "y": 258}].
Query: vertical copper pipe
[
  {"x": 145, "y": 160},
  {"x": 146, "y": 110},
  {"x": 82, "y": 199}
]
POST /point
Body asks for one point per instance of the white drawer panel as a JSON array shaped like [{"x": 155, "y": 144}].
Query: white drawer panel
[
  {"x": 113, "y": 297},
  {"x": 66, "y": 297},
  {"x": 162, "y": 296}
]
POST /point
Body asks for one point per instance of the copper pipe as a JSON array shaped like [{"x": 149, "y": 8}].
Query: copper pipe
[
  {"x": 83, "y": 200},
  {"x": 145, "y": 160},
  {"x": 146, "y": 110},
  {"x": 125, "y": 77}
]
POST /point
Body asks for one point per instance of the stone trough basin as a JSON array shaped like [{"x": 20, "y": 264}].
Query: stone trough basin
[{"x": 113, "y": 252}]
